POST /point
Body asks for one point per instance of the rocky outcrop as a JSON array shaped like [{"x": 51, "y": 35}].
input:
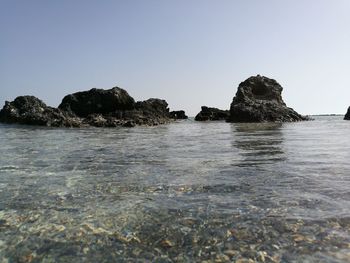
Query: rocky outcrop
[
  {"x": 97, "y": 101},
  {"x": 151, "y": 112},
  {"x": 347, "y": 115},
  {"x": 212, "y": 114},
  {"x": 178, "y": 115},
  {"x": 259, "y": 99},
  {"x": 32, "y": 111},
  {"x": 96, "y": 107}
]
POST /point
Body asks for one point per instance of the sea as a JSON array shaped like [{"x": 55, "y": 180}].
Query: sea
[{"x": 181, "y": 192}]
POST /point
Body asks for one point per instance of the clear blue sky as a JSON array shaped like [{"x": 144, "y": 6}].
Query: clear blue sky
[{"x": 189, "y": 52}]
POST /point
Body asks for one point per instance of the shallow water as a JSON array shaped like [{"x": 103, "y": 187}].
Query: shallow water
[{"x": 183, "y": 192}]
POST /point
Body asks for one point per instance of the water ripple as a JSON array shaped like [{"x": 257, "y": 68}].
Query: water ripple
[{"x": 183, "y": 192}]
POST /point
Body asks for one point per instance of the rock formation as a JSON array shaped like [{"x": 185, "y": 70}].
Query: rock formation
[
  {"x": 347, "y": 115},
  {"x": 96, "y": 107},
  {"x": 259, "y": 99},
  {"x": 97, "y": 101},
  {"x": 178, "y": 115},
  {"x": 212, "y": 114},
  {"x": 32, "y": 111}
]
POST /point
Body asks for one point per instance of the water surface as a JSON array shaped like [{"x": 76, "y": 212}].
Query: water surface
[{"x": 183, "y": 192}]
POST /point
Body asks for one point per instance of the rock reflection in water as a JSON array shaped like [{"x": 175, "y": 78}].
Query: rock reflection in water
[{"x": 258, "y": 143}]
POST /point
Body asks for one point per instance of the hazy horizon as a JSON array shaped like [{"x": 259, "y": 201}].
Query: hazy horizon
[{"x": 190, "y": 53}]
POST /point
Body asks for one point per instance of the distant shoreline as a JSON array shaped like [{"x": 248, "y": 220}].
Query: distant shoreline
[{"x": 331, "y": 114}]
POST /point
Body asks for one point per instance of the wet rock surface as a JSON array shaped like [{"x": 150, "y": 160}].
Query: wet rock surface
[
  {"x": 96, "y": 107},
  {"x": 259, "y": 99},
  {"x": 347, "y": 115},
  {"x": 212, "y": 114}
]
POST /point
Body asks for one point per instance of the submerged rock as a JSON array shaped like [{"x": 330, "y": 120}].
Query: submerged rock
[
  {"x": 178, "y": 115},
  {"x": 347, "y": 115},
  {"x": 259, "y": 99},
  {"x": 212, "y": 114},
  {"x": 96, "y": 107}
]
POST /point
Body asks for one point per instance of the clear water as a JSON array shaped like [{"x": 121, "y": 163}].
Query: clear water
[{"x": 183, "y": 192}]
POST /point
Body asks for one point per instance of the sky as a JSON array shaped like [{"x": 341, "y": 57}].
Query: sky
[{"x": 188, "y": 52}]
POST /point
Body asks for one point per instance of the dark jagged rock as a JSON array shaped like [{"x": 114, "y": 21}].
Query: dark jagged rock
[
  {"x": 32, "y": 111},
  {"x": 212, "y": 114},
  {"x": 96, "y": 107},
  {"x": 97, "y": 101},
  {"x": 151, "y": 112},
  {"x": 259, "y": 99},
  {"x": 153, "y": 106},
  {"x": 347, "y": 115},
  {"x": 178, "y": 115}
]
